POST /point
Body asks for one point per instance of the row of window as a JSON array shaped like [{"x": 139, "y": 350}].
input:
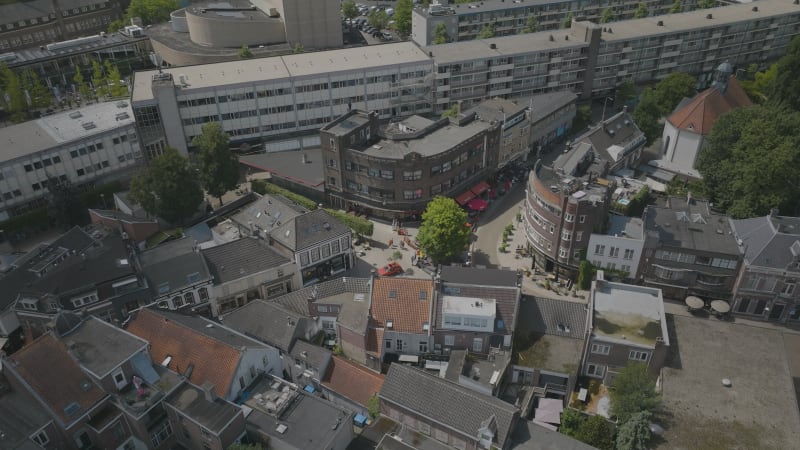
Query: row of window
[
  {"x": 723, "y": 263},
  {"x": 600, "y": 250},
  {"x": 634, "y": 355},
  {"x": 324, "y": 251},
  {"x": 44, "y": 162},
  {"x": 92, "y": 168}
]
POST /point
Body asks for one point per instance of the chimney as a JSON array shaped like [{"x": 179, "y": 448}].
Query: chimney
[
  {"x": 208, "y": 390},
  {"x": 305, "y": 158}
]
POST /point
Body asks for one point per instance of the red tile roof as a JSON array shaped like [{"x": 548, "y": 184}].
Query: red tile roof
[
  {"x": 57, "y": 378},
  {"x": 352, "y": 380},
  {"x": 374, "y": 342},
  {"x": 700, "y": 114},
  {"x": 213, "y": 360},
  {"x": 400, "y": 301}
]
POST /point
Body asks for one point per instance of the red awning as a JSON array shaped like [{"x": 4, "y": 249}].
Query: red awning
[
  {"x": 478, "y": 204},
  {"x": 480, "y": 188},
  {"x": 464, "y": 198}
]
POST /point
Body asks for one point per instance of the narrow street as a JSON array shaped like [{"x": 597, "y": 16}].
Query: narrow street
[{"x": 490, "y": 227}]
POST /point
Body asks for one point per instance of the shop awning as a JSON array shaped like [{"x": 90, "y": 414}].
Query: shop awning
[
  {"x": 477, "y": 204},
  {"x": 480, "y": 188},
  {"x": 464, "y": 198}
]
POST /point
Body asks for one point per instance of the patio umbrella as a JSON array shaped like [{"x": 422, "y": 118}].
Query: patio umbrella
[
  {"x": 720, "y": 306},
  {"x": 694, "y": 302},
  {"x": 477, "y": 204}
]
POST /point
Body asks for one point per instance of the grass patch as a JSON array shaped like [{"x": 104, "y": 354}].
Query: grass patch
[
  {"x": 163, "y": 236},
  {"x": 531, "y": 350}
]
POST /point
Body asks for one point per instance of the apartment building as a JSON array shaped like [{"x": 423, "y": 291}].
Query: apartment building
[
  {"x": 395, "y": 170},
  {"x": 40, "y": 22},
  {"x": 516, "y": 127},
  {"x": 93, "y": 144},
  {"x": 465, "y": 21},
  {"x": 264, "y": 98},
  {"x": 619, "y": 250}
]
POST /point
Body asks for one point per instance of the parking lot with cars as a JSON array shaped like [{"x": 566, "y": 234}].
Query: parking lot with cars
[{"x": 361, "y": 24}]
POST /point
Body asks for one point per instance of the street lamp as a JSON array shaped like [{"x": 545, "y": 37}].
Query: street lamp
[{"x": 604, "y": 107}]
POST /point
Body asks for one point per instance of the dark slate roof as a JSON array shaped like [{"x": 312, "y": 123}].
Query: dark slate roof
[
  {"x": 600, "y": 137},
  {"x": 20, "y": 416},
  {"x": 101, "y": 347},
  {"x": 446, "y": 402},
  {"x": 767, "y": 241},
  {"x": 55, "y": 377},
  {"x": 314, "y": 355},
  {"x": 546, "y": 314},
  {"x": 690, "y": 225},
  {"x": 171, "y": 263},
  {"x": 289, "y": 165},
  {"x": 267, "y": 212},
  {"x": 309, "y": 229},
  {"x": 546, "y": 104},
  {"x": 502, "y": 290},
  {"x": 529, "y": 436},
  {"x": 267, "y": 322},
  {"x": 212, "y": 415},
  {"x": 241, "y": 258},
  {"x": 87, "y": 264},
  {"x": 481, "y": 277},
  {"x": 297, "y": 301}
]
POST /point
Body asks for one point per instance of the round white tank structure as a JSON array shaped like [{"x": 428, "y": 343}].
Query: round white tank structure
[
  {"x": 232, "y": 24},
  {"x": 178, "y": 21}
]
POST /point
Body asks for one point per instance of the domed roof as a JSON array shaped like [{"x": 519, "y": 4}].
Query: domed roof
[
  {"x": 725, "y": 67},
  {"x": 65, "y": 322}
]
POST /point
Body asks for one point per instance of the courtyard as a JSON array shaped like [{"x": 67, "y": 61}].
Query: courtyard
[{"x": 758, "y": 410}]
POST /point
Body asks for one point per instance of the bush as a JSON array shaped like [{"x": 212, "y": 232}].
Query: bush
[
  {"x": 265, "y": 187},
  {"x": 359, "y": 225},
  {"x": 594, "y": 387},
  {"x": 397, "y": 255}
]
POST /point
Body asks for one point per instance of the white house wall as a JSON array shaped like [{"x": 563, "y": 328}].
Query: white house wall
[{"x": 619, "y": 262}]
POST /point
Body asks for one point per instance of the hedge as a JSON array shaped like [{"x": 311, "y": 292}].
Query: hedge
[
  {"x": 360, "y": 225},
  {"x": 265, "y": 187}
]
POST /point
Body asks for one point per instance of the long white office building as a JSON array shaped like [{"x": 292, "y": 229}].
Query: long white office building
[
  {"x": 92, "y": 144},
  {"x": 271, "y": 98}
]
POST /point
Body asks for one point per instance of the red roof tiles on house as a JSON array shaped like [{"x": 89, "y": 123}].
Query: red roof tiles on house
[
  {"x": 404, "y": 302},
  {"x": 700, "y": 114},
  {"x": 58, "y": 380},
  {"x": 352, "y": 380},
  {"x": 213, "y": 361}
]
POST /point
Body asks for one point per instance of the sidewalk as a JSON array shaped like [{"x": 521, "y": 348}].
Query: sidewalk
[{"x": 380, "y": 253}]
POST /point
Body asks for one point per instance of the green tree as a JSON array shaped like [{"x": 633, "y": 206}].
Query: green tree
[
  {"x": 531, "y": 25},
  {"x": 402, "y": 17},
  {"x": 597, "y": 432},
  {"x": 705, "y": 4},
  {"x": 625, "y": 92},
  {"x": 245, "y": 52},
  {"x": 83, "y": 87},
  {"x": 634, "y": 391},
  {"x": 40, "y": 95},
  {"x": 115, "y": 84},
  {"x": 586, "y": 273},
  {"x": 641, "y": 11},
  {"x": 378, "y": 19},
  {"x": 785, "y": 88},
  {"x": 15, "y": 104},
  {"x": 583, "y": 117},
  {"x": 676, "y": 7},
  {"x": 349, "y": 9},
  {"x": 672, "y": 89},
  {"x": 219, "y": 168},
  {"x": 168, "y": 187},
  {"x": 440, "y": 35},
  {"x": 150, "y": 11},
  {"x": 359, "y": 225},
  {"x": 608, "y": 15},
  {"x": 374, "y": 406},
  {"x": 117, "y": 25},
  {"x": 99, "y": 80},
  {"x": 760, "y": 83},
  {"x": 443, "y": 234},
  {"x": 453, "y": 111},
  {"x": 634, "y": 433},
  {"x": 567, "y": 21},
  {"x": 487, "y": 31},
  {"x": 571, "y": 421},
  {"x": 647, "y": 115},
  {"x": 749, "y": 163},
  {"x": 65, "y": 205}
]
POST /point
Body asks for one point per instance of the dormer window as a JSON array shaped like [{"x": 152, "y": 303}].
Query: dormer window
[{"x": 30, "y": 304}]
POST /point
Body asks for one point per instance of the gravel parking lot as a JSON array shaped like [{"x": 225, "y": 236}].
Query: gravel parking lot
[{"x": 758, "y": 411}]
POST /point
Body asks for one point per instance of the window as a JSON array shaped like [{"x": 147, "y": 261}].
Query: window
[
  {"x": 41, "y": 438},
  {"x": 162, "y": 434},
  {"x": 628, "y": 254},
  {"x": 28, "y": 168},
  {"x": 599, "y": 249},
  {"x": 582, "y": 219},
  {"x": 788, "y": 288},
  {"x": 399, "y": 345},
  {"x": 188, "y": 298},
  {"x": 423, "y": 347},
  {"x": 83, "y": 440},
  {"x": 449, "y": 340},
  {"x": 569, "y": 217},
  {"x": 638, "y": 356},
  {"x": 614, "y": 252},
  {"x": 601, "y": 349},
  {"x": 578, "y": 236},
  {"x": 203, "y": 292},
  {"x": 595, "y": 370},
  {"x": 477, "y": 345},
  {"x": 119, "y": 379},
  {"x": 412, "y": 175},
  {"x": 241, "y": 382}
]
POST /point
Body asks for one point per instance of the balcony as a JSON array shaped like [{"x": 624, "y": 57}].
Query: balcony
[{"x": 138, "y": 400}]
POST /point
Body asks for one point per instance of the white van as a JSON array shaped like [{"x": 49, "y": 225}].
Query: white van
[{"x": 389, "y": 12}]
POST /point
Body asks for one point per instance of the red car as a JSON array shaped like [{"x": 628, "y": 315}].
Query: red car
[{"x": 390, "y": 269}]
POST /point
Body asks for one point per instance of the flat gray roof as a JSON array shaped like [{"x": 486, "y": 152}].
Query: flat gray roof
[
  {"x": 100, "y": 347},
  {"x": 693, "y": 20},
  {"x": 433, "y": 143},
  {"x": 629, "y": 314},
  {"x": 629, "y": 227},
  {"x": 41, "y": 134},
  {"x": 497, "y": 109},
  {"x": 464, "y": 9},
  {"x": 254, "y": 70},
  {"x": 214, "y": 415},
  {"x": 507, "y": 45},
  {"x": 692, "y": 226}
]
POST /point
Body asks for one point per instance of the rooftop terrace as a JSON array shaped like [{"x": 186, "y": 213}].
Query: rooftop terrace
[{"x": 629, "y": 314}]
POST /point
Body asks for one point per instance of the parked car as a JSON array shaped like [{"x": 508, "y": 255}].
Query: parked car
[
  {"x": 390, "y": 270},
  {"x": 386, "y": 36},
  {"x": 390, "y": 12}
]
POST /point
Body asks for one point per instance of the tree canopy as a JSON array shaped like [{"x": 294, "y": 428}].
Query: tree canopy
[
  {"x": 749, "y": 162},
  {"x": 592, "y": 430},
  {"x": 641, "y": 11},
  {"x": 487, "y": 31},
  {"x": 440, "y": 35},
  {"x": 625, "y": 92},
  {"x": 661, "y": 100},
  {"x": 168, "y": 187},
  {"x": 443, "y": 234},
  {"x": 402, "y": 17},
  {"x": 608, "y": 15},
  {"x": 531, "y": 25},
  {"x": 634, "y": 433},
  {"x": 378, "y": 19},
  {"x": 219, "y": 168},
  {"x": 567, "y": 21},
  {"x": 65, "y": 205},
  {"x": 151, "y": 11},
  {"x": 349, "y": 9},
  {"x": 634, "y": 391},
  {"x": 785, "y": 89},
  {"x": 676, "y": 7}
]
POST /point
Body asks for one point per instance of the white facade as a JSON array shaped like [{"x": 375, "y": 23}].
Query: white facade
[
  {"x": 85, "y": 145},
  {"x": 254, "y": 360},
  {"x": 680, "y": 150},
  {"x": 619, "y": 250}
]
